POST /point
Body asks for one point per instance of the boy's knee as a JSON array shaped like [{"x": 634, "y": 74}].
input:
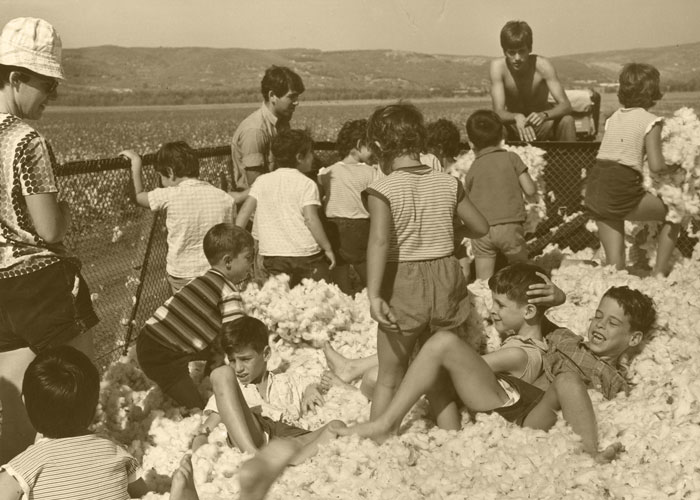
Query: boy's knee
[{"x": 441, "y": 341}]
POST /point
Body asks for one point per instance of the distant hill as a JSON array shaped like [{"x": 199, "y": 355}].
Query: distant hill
[{"x": 109, "y": 75}]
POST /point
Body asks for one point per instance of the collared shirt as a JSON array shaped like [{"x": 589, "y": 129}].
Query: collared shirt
[
  {"x": 26, "y": 167},
  {"x": 422, "y": 204},
  {"x": 569, "y": 352},
  {"x": 193, "y": 206},
  {"x": 80, "y": 468},
  {"x": 282, "y": 401},
  {"x": 250, "y": 145},
  {"x": 279, "y": 218},
  {"x": 190, "y": 320},
  {"x": 493, "y": 185}
]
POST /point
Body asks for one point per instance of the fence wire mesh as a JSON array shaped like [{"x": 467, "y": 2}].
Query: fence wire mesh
[{"x": 123, "y": 247}]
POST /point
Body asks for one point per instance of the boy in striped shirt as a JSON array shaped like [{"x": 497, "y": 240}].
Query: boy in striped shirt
[
  {"x": 187, "y": 325},
  {"x": 414, "y": 282},
  {"x": 61, "y": 389}
]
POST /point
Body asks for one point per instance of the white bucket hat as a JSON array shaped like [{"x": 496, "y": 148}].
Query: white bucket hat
[{"x": 31, "y": 43}]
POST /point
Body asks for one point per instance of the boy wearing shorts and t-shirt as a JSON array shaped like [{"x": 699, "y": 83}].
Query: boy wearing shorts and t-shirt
[
  {"x": 184, "y": 328},
  {"x": 495, "y": 183},
  {"x": 61, "y": 389},
  {"x": 255, "y": 404},
  {"x": 347, "y": 220},
  {"x": 192, "y": 206}
]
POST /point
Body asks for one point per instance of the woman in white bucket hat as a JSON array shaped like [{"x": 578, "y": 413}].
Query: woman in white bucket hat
[{"x": 44, "y": 300}]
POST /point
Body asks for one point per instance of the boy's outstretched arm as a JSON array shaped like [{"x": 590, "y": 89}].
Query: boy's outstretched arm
[
  {"x": 511, "y": 360},
  {"x": 246, "y": 211},
  {"x": 547, "y": 294},
  {"x": 527, "y": 184},
  {"x": 137, "y": 177},
  {"x": 313, "y": 222}
]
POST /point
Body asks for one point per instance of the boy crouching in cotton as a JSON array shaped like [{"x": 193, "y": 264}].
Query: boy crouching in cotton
[{"x": 253, "y": 402}]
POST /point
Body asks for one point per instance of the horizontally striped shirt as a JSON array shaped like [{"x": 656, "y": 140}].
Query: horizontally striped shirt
[
  {"x": 190, "y": 320},
  {"x": 625, "y": 132},
  {"x": 342, "y": 185},
  {"x": 76, "y": 468},
  {"x": 422, "y": 204}
]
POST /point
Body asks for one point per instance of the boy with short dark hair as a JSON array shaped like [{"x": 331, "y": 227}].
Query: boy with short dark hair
[
  {"x": 501, "y": 172},
  {"x": 184, "y": 328},
  {"x": 443, "y": 141},
  {"x": 61, "y": 389},
  {"x": 347, "y": 219},
  {"x": 192, "y": 206},
  {"x": 573, "y": 364},
  {"x": 252, "y": 402},
  {"x": 286, "y": 203}
]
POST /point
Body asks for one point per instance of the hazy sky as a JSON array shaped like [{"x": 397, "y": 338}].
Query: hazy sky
[{"x": 467, "y": 27}]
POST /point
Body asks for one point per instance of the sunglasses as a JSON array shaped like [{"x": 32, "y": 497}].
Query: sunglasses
[{"x": 49, "y": 85}]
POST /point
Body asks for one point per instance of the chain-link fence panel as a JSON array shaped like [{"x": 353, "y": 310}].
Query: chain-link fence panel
[{"x": 123, "y": 247}]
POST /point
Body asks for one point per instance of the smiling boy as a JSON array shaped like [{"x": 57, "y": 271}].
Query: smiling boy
[{"x": 520, "y": 85}]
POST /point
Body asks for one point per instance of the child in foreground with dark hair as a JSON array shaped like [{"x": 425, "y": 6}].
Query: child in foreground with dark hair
[
  {"x": 495, "y": 182},
  {"x": 347, "y": 219},
  {"x": 614, "y": 186},
  {"x": 286, "y": 204},
  {"x": 184, "y": 328},
  {"x": 61, "y": 390},
  {"x": 572, "y": 364},
  {"x": 254, "y": 403},
  {"x": 414, "y": 282},
  {"x": 443, "y": 142},
  {"x": 192, "y": 207}
]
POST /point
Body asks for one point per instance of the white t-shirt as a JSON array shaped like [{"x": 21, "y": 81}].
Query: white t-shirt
[{"x": 279, "y": 219}]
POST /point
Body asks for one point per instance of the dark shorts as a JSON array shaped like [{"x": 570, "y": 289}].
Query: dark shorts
[
  {"x": 529, "y": 397},
  {"x": 46, "y": 308},
  {"x": 277, "y": 429},
  {"x": 612, "y": 190},
  {"x": 297, "y": 268},
  {"x": 348, "y": 238},
  {"x": 165, "y": 366},
  {"x": 426, "y": 295},
  {"x": 509, "y": 239}
]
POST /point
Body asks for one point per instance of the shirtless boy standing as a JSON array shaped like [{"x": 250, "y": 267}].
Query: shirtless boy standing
[{"x": 520, "y": 85}]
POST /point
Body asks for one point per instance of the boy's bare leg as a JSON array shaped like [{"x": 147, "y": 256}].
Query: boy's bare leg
[
  {"x": 443, "y": 404},
  {"x": 182, "y": 486},
  {"x": 243, "y": 429},
  {"x": 17, "y": 432},
  {"x": 668, "y": 236},
  {"x": 474, "y": 382},
  {"x": 347, "y": 369},
  {"x": 571, "y": 394},
  {"x": 485, "y": 267},
  {"x": 369, "y": 382},
  {"x": 259, "y": 473},
  {"x": 311, "y": 441}
]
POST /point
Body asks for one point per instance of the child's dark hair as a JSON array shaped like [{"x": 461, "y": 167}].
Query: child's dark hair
[
  {"x": 399, "y": 129},
  {"x": 352, "y": 135},
  {"x": 442, "y": 138},
  {"x": 226, "y": 238},
  {"x": 61, "y": 389},
  {"x": 280, "y": 80},
  {"x": 637, "y": 306},
  {"x": 289, "y": 145},
  {"x": 179, "y": 157},
  {"x": 514, "y": 281},
  {"x": 243, "y": 333},
  {"x": 639, "y": 86},
  {"x": 484, "y": 128},
  {"x": 516, "y": 34}
]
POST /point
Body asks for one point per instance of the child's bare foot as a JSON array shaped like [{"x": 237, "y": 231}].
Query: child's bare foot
[
  {"x": 339, "y": 364},
  {"x": 330, "y": 379},
  {"x": 257, "y": 474},
  {"x": 610, "y": 453},
  {"x": 182, "y": 487},
  {"x": 373, "y": 430}
]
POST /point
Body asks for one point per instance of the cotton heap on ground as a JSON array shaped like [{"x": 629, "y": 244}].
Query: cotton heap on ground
[{"x": 659, "y": 423}]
